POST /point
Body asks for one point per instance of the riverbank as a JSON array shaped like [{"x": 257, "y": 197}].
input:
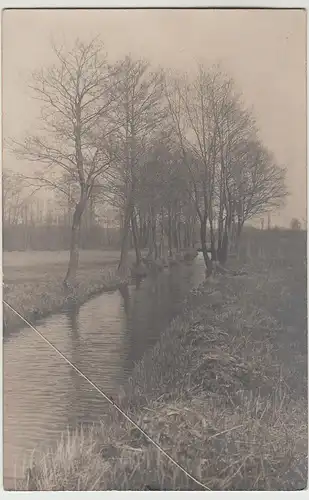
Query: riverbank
[
  {"x": 213, "y": 392},
  {"x": 33, "y": 283}
]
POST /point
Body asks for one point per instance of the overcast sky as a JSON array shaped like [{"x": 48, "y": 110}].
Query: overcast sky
[{"x": 264, "y": 50}]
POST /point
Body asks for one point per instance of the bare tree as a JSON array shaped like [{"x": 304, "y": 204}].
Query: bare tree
[
  {"x": 232, "y": 177},
  {"x": 235, "y": 131},
  {"x": 259, "y": 183},
  {"x": 137, "y": 118},
  {"x": 74, "y": 140},
  {"x": 164, "y": 199},
  {"x": 197, "y": 109}
]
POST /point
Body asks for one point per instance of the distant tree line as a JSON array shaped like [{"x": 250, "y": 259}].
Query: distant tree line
[
  {"x": 33, "y": 223},
  {"x": 174, "y": 154}
]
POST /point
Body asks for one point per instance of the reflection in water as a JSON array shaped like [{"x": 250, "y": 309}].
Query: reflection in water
[
  {"x": 37, "y": 386},
  {"x": 104, "y": 338},
  {"x": 125, "y": 294}
]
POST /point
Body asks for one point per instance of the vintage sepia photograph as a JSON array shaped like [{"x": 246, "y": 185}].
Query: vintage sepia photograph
[{"x": 154, "y": 249}]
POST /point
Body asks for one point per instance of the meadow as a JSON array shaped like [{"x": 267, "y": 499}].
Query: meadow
[
  {"x": 33, "y": 282},
  {"x": 224, "y": 391}
]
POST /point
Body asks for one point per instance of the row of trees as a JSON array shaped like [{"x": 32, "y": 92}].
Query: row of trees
[
  {"x": 33, "y": 222},
  {"x": 165, "y": 149}
]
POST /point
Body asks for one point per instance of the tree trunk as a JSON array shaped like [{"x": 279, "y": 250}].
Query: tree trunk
[
  {"x": 176, "y": 245},
  {"x": 220, "y": 217},
  {"x": 145, "y": 235},
  {"x": 143, "y": 232},
  {"x": 190, "y": 232},
  {"x": 175, "y": 234},
  {"x": 162, "y": 234},
  {"x": 170, "y": 250},
  {"x": 136, "y": 240},
  {"x": 125, "y": 242},
  {"x": 185, "y": 236},
  {"x": 240, "y": 225},
  {"x": 179, "y": 234},
  {"x": 74, "y": 244},
  {"x": 224, "y": 247},
  {"x": 232, "y": 236},
  {"x": 207, "y": 260},
  {"x": 154, "y": 238},
  {"x": 193, "y": 233},
  {"x": 212, "y": 242}
]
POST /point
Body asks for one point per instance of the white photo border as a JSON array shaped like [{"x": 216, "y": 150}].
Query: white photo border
[{"x": 95, "y": 4}]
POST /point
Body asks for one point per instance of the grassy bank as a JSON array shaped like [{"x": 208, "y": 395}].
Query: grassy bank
[
  {"x": 33, "y": 282},
  {"x": 213, "y": 392}
]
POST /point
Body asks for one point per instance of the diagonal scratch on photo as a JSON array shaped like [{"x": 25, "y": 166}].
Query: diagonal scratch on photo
[{"x": 154, "y": 249}]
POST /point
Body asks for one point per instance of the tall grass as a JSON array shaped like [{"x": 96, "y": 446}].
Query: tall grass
[
  {"x": 212, "y": 392},
  {"x": 243, "y": 446},
  {"x": 34, "y": 299}
]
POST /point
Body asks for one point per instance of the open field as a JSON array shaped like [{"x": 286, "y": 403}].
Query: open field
[
  {"x": 224, "y": 392},
  {"x": 30, "y": 258},
  {"x": 31, "y": 265},
  {"x": 33, "y": 281}
]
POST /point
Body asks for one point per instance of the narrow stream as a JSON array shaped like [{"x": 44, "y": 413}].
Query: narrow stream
[{"x": 43, "y": 396}]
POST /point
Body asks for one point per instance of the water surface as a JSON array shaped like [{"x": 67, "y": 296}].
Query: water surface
[{"x": 43, "y": 395}]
